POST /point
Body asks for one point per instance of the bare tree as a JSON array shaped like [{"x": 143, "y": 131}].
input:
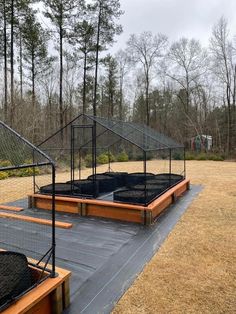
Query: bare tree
[
  {"x": 123, "y": 64},
  {"x": 187, "y": 64},
  {"x": 146, "y": 49},
  {"x": 224, "y": 67}
]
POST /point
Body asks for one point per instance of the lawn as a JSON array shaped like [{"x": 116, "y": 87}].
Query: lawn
[{"x": 194, "y": 271}]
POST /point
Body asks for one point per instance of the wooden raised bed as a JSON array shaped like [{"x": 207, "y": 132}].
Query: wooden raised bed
[
  {"x": 107, "y": 209},
  {"x": 50, "y": 296}
]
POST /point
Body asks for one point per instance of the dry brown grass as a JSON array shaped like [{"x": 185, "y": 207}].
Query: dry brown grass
[{"x": 194, "y": 271}]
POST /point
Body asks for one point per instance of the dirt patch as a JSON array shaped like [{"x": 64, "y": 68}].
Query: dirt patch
[{"x": 194, "y": 271}]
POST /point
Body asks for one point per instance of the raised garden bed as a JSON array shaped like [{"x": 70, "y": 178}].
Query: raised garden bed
[
  {"x": 85, "y": 187},
  {"x": 119, "y": 176},
  {"x": 173, "y": 178},
  {"x": 105, "y": 183},
  {"x": 138, "y": 178},
  {"x": 151, "y": 187},
  {"x": 16, "y": 277},
  {"x": 135, "y": 196},
  {"x": 60, "y": 189},
  {"x": 109, "y": 209}
]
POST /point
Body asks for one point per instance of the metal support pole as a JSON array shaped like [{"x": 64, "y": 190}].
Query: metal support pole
[
  {"x": 34, "y": 182},
  {"x": 170, "y": 166},
  {"x": 109, "y": 160},
  {"x": 53, "y": 223},
  {"x": 145, "y": 175},
  {"x": 94, "y": 157},
  {"x": 80, "y": 162},
  {"x": 72, "y": 157},
  {"x": 184, "y": 164}
]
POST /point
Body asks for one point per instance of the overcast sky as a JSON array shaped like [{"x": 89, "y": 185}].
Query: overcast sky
[{"x": 174, "y": 18}]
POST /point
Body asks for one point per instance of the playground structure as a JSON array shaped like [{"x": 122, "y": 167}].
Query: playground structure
[
  {"x": 27, "y": 261},
  {"x": 137, "y": 197}
]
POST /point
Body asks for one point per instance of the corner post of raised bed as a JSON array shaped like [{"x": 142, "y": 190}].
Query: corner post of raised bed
[
  {"x": 149, "y": 219},
  {"x": 83, "y": 209},
  {"x": 31, "y": 201},
  {"x": 66, "y": 293},
  {"x": 57, "y": 300}
]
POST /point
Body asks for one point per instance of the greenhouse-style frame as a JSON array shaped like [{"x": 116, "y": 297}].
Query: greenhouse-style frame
[
  {"x": 26, "y": 258},
  {"x": 94, "y": 140}
]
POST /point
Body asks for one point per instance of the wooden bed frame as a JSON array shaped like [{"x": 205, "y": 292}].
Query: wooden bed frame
[
  {"x": 51, "y": 296},
  {"x": 99, "y": 208}
]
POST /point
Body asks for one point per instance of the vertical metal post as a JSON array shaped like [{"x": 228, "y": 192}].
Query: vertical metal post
[
  {"x": 184, "y": 164},
  {"x": 72, "y": 157},
  {"x": 80, "y": 162},
  {"x": 34, "y": 183},
  {"x": 109, "y": 160},
  {"x": 94, "y": 157},
  {"x": 53, "y": 223},
  {"x": 145, "y": 175},
  {"x": 170, "y": 166}
]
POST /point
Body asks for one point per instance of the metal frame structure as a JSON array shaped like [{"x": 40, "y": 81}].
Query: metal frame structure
[
  {"x": 107, "y": 134},
  {"x": 21, "y": 154}
]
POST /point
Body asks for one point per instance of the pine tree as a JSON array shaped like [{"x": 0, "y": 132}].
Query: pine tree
[
  {"x": 105, "y": 13},
  {"x": 61, "y": 13}
]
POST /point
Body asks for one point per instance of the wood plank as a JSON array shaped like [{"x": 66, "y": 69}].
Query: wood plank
[
  {"x": 168, "y": 193},
  {"x": 42, "y": 307},
  {"x": 58, "y": 224},
  {"x": 114, "y": 213},
  {"x": 87, "y": 201},
  {"x": 13, "y": 208}
]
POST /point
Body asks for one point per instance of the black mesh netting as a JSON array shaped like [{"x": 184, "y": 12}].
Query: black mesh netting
[
  {"x": 86, "y": 187},
  {"x": 60, "y": 189},
  {"x": 158, "y": 188},
  {"x": 119, "y": 176},
  {"x": 134, "y": 196},
  {"x": 157, "y": 181},
  {"x": 15, "y": 276},
  {"x": 105, "y": 182},
  {"x": 173, "y": 178},
  {"x": 138, "y": 177}
]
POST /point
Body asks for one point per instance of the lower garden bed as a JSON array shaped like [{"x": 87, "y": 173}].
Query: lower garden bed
[{"x": 51, "y": 295}]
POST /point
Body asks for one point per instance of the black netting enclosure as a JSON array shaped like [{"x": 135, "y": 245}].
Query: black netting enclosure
[
  {"x": 121, "y": 161},
  {"x": 27, "y": 246}
]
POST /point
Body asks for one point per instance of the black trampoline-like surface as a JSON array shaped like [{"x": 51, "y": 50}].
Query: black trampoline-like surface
[{"x": 104, "y": 256}]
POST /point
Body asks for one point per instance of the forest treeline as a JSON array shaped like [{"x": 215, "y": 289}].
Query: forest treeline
[{"x": 55, "y": 64}]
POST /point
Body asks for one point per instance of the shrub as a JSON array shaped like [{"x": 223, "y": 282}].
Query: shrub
[
  {"x": 123, "y": 157},
  {"x": 111, "y": 156},
  {"x": 5, "y": 163},
  {"x": 3, "y": 175},
  {"x": 189, "y": 156},
  {"x": 102, "y": 159},
  {"x": 201, "y": 156},
  {"x": 88, "y": 160},
  {"x": 215, "y": 157},
  {"x": 177, "y": 156},
  {"x": 27, "y": 172}
]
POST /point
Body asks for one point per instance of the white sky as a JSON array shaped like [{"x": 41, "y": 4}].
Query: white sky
[{"x": 174, "y": 18}]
